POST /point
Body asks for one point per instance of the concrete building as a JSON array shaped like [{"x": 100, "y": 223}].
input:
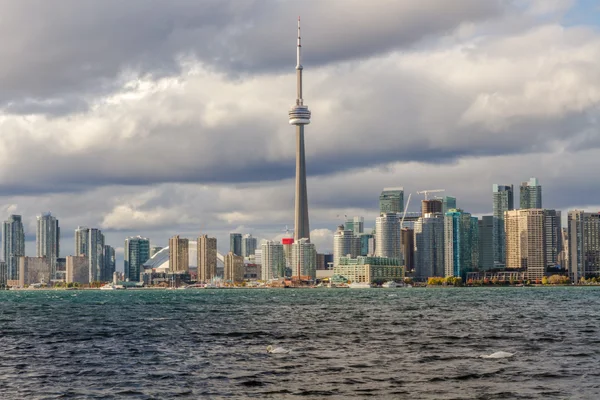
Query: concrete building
[
  {"x": 34, "y": 270},
  {"x": 503, "y": 200},
  {"x": 387, "y": 236},
  {"x": 531, "y": 194},
  {"x": 429, "y": 246},
  {"x": 109, "y": 263},
  {"x": 324, "y": 262},
  {"x": 433, "y": 206},
  {"x": 47, "y": 240},
  {"x": 391, "y": 200},
  {"x": 179, "y": 261},
  {"x": 13, "y": 245},
  {"x": 81, "y": 240},
  {"x": 248, "y": 245},
  {"x": 77, "y": 269},
  {"x": 137, "y": 252},
  {"x": 345, "y": 243},
  {"x": 584, "y": 245},
  {"x": 533, "y": 240},
  {"x": 460, "y": 238},
  {"x": 207, "y": 258},
  {"x": 95, "y": 254},
  {"x": 408, "y": 248},
  {"x": 299, "y": 116},
  {"x": 235, "y": 243},
  {"x": 234, "y": 268},
  {"x": 304, "y": 259},
  {"x": 486, "y": 242},
  {"x": 273, "y": 260},
  {"x": 369, "y": 269}
]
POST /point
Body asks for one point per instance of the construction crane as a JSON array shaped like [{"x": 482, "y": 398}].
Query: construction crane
[
  {"x": 426, "y": 192},
  {"x": 405, "y": 208}
]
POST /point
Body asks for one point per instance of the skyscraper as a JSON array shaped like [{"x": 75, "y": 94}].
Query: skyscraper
[
  {"x": 503, "y": 199},
  {"x": 531, "y": 194},
  {"x": 304, "y": 259},
  {"x": 460, "y": 238},
  {"x": 47, "y": 240},
  {"x": 429, "y": 246},
  {"x": 391, "y": 200},
  {"x": 137, "y": 252},
  {"x": 178, "y": 254},
  {"x": 207, "y": 258},
  {"x": 248, "y": 245},
  {"x": 408, "y": 248},
  {"x": 81, "y": 240},
  {"x": 234, "y": 268},
  {"x": 387, "y": 236},
  {"x": 96, "y": 254},
  {"x": 345, "y": 243},
  {"x": 448, "y": 203},
  {"x": 273, "y": 260},
  {"x": 356, "y": 225},
  {"x": 486, "y": 242},
  {"x": 235, "y": 243},
  {"x": 432, "y": 206},
  {"x": 13, "y": 240},
  {"x": 109, "y": 263},
  {"x": 300, "y": 115},
  {"x": 584, "y": 245}
]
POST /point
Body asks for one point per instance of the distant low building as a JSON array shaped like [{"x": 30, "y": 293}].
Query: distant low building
[
  {"x": 369, "y": 269},
  {"x": 34, "y": 270}
]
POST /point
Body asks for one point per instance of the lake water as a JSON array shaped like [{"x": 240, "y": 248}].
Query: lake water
[{"x": 381, "y": 343}]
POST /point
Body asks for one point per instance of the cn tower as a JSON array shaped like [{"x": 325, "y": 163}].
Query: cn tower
[{"x": 300, "y": 116}]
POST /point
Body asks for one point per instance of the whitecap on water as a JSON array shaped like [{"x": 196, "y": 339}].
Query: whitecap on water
[{"x": 498, "y": 354}]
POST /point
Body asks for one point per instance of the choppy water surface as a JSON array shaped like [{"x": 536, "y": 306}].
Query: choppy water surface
[{"x": 384, "y": 343}]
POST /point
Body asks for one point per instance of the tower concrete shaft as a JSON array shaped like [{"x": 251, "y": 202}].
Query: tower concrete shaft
[{"x": 300, "y": 115}]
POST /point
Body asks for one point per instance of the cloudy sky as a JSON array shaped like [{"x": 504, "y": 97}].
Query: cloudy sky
[{"x": 170, "y": 117}]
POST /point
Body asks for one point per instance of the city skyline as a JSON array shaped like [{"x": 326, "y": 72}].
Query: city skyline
[{"x": 502, "y": 123}]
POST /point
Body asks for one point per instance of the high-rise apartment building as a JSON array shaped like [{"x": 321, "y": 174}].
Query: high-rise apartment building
[
  {"x": 584, "y": 245},
  {"x": 304, "y": 259},
  {"x": 179, "y": 261},
  {"x": 13, "y": 245},
  {"x": 235, "y": 243},
  {"x": 432, "y": 206},
  {"x": 387, "y": 236},
  {"x": 503, "y": 199},
  {"x": 448, "y": 203},
  {"x": 391, "y": 200},
  {"x": 248, "y": 245},
  {"x": 461, "y": 239},
  {"x": 429, "y": 246},
  {"x": 234, "y": 268},
  {"x": 47, "y": 240},
  {"x": 533, "y": 240},
  {"x": 345, "y": 243},
  {"x": 486, "y": 242},
  {"x": 408, "y": 248},
  {"x": 356, "y": 225},
  {"x": 109, "y": 263},
  {"x": 137, "y": 252},
  {"x": 531, "y": 194},
  {"x": 273, "y": 259},
  {"x": 81, "y": 240},
  {"x": 207, "y": 258},
  {"x": 95, "y": 254},
  {"x": 367, "y": 244}
]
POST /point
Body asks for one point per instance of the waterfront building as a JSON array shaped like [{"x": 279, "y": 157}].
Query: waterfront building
[
  {"x": 13, "y": 245},
  {"x": 299, "y": 116},
  {"x": 154, "y": 250},
  {"x": 503, "y": 200},
  {"x": 429, "y": 246},
  {"x": 287, "y": 251},
  {"x": 207, "y": 258},
  {"x": 345, "y": 243},
  {"x": 367, "y": 244},
  {"x": 34, "y": 270},
  {"x": 234, "y": 268},
  {"x": 387, "y": 236},
  {"x": 583, "y": 244},
  {"x": 531, "y": 194},
  {"x": 179, "y": 261},
  {"x": 137, "y": 252},
  {"x": 109, "y": 263},
  {"x": 248, "y": 245},
  {"x": 369, "y": 269},
  {"x": 324, "y": 262},
  {"x": 448, "y": 203},
  {"x": 356, "y": 225},
  {"x": 408, "y": 248},
  {"x": 76, "y": 269},
  {"x": 95, "y": 254},
  {"x": 235, "y": 243},
  {"x": 460, "y": 243},
  {"x": 47, "y": 239},
  {"x": 391, "y": 200},
  {"x": 486, "y": 242},
  {"x": 532, "y": 240},
  {"x": 81, "y": 240},
  {"x": 304, "y": 259},
  {"x": 273, "y": 260},
  {"x": 3, "y": 275},
  {"x": 433, "y": 206}
]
